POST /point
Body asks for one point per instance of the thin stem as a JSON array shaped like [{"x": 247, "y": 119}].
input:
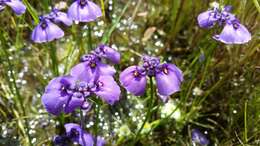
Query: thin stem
[
  {"x": 245, "y": 122},
  {"x": 103, "y": 7},
  {"x": 82, "y": 125},
  {"x": 107, "y": 35},
  {"x": 32, "y": 11},
  {"x": 257, "y": 5},
  {"x": 148, "y": 114},
  {"x": 89, "y": 38},
  {"x": 54, "y": 64},
  {"x": 17, "y": 91},
  {"x": 97, "y": 109}
]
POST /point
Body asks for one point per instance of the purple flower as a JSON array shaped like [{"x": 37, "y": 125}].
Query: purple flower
[
  {"x": 91, "y": 65},
  {"x": 46, "y": 31},
  {"x": 84, "y": 11},
  {"x": 108, "y": 53},
  {"x": 168, "y": 77},
  {"x": 198, "y": 137},
  {"x": 66, "y": 93},
  {"x": 133, "y": 79},
  {"x": 207, "y": 19},
  {"x": 17, "y": 6},
  {"x": 78, "y": 135},
  {"x": 107, "y": 89},
  {"x": 233, "y": 32},
  {"x": 59, "y": 17},
  {"x": 60, "y": 97}
]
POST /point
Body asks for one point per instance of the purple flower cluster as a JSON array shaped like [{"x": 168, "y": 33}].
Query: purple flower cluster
[
  {"x": 233, "y": 32},
  {"x": 90, "y": 77},
  {"x": 168, "y": 77},
  {"x": 67, "y": 93},
  {"x": 80, "y": 10},
  {"x": 74, "y": 133},
  {"x": 16, "y": 5}
]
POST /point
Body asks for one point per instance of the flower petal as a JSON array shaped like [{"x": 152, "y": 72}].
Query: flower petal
[
  {"x": 51, "y": 32},
  {"x": 59, "y": 82},
  {"x": 86, "y": 140},
  {"x": 83, "y": 138},
  {"x": 108, "y": 89},
  {"x": 63, "y": 18},
  {"x": 101, "y": 141},
  {"x": 168, "y": 80},
  {"x": 17, "y": 6},
  {"x": 86, "y": 13},
  {"x": 232, "y": 35},
  {"x": 73, "y": 103},
  {"x": 95, "y": 9},
  {"x": 54, "y": 102},
  {"x": 105, "y": 69},
  {"x": 132, "y": 79},
  {"x": 39, "y": 35},
  {"x": 82, "y": 71},
  {"x": 109, "y": 53},
  {"x": 206, "y": 19},
  {"x": 198, "y": 137}
]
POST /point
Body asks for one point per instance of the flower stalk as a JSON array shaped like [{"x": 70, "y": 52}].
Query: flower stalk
[
  {"x": 17, "y": 91},
  {"x": 96, "y": 110},
  {"x": 54, "y": 59},
  {"x": 82, "y": 125},
  {"x": 89, "y": 38},
  {"x": 149, "y": 111}
]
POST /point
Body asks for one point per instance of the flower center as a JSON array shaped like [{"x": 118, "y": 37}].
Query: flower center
[
  {"x": 100, "y": 84},
  {"x": 74, "y": 132},
  {"x": 166, "y": 71},
  {"x": 235, "y": 25},
  {"x": 150, "y": 65},
  {"x": 83, "y": 3},
  {"x": 44, "y": 25},
  {"x": 93, "y": 65},
  {"x": 136, "y": 73}
]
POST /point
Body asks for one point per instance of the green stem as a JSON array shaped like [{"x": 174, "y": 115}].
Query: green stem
[
  {"x": 245, "y": 122},
  {"x": 32, "y": 11},
  {"x": 113, "y": 27},
  {"x": 103, "y": 7},
  {"x": 97, "y": 109},
  {"x": 257, "y": 5},
  {"x": 82, "y": 125},
  {"x": 54, "y": 64},
  {"x": 148, "y": 114},
  {"x": 17, "y": 91},
  {"x": 89, "y": 38}
]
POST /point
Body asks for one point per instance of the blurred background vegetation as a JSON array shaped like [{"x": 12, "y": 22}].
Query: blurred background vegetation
[{"x": 220, "y": 94}]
